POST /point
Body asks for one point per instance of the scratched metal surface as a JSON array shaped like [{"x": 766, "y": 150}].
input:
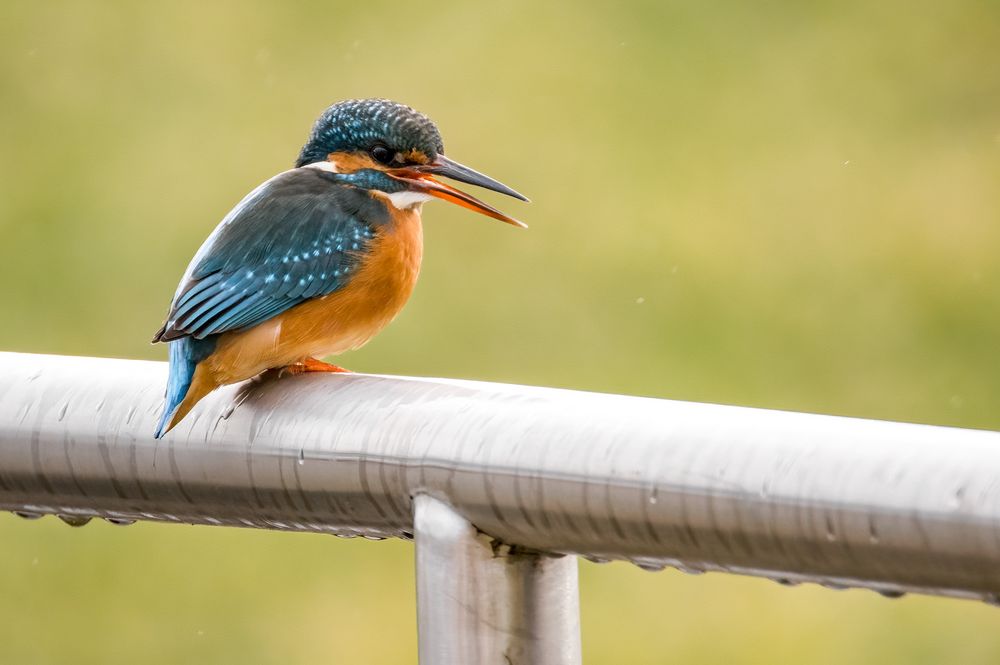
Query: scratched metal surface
[{"x": 796, "y": 497}]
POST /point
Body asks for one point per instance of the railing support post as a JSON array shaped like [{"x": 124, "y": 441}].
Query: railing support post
[{"x": 479, "y": 603}]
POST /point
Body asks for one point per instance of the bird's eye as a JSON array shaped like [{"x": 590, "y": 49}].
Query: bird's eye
[{"x": 382, "y": 154}]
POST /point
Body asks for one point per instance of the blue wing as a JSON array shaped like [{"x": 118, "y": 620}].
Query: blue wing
[{"x": 298, "y": 236}]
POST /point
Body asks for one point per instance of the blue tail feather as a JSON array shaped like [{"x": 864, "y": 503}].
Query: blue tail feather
[{"x": 185, "y": 354}]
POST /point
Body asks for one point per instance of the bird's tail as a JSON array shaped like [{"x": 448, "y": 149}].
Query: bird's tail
[{"x": 185, "y": 354}]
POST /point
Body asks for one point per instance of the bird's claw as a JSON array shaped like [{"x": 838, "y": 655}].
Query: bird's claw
[{"x": 311, "y": 365}]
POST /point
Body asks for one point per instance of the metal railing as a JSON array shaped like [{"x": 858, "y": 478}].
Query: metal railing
[{"x": 497, "y": 484}]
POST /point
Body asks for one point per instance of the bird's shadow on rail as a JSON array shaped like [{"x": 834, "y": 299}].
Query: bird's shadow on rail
[{"x": 256, "y": 387}]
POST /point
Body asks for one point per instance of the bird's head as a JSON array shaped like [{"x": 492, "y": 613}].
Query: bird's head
[{"x": 394, "y": 150}]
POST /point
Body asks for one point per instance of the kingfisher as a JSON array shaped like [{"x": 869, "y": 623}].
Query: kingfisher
[{"x": 318, "y": 259}]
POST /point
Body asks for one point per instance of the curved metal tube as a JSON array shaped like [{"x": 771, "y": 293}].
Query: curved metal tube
[{"x": 796, "y": 497}]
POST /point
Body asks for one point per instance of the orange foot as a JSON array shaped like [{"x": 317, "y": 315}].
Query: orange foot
[{"x": 313, "y": 365}]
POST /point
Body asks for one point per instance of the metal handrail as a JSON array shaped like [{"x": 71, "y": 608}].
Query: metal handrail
[{"x": 795, "y": 497}]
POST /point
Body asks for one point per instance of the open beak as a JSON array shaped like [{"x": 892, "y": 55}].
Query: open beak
[{"x": 421, "y": 179}]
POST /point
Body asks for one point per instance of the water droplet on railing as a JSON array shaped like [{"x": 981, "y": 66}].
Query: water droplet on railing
[
  {"x": 234, "y": 404},
  {"x": 890, "y": 593},
  {"x": 872, "y": 532},
  {"x": 690, "y": 570},
  {"x": 24, "y": 514},
  {"x": 119, "y": 521},
  {"x": 75, "y": 520},
  {"x": 784, "y": 581},
  {"x": 595, "y": 559},
  {"x": 651, "y": 566},
  {"x": 373, "y": 537},
  {"x": 831, "y": 533},
  {"x": 956, "y": 498},
  {"x": 62, "y": 411},
  {"x": 302, "y": 456}
]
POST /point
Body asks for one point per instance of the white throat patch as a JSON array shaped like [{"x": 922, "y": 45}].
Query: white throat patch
[
  {"x": 322, "y": 166},
  {"x": 407, "y": 200}
]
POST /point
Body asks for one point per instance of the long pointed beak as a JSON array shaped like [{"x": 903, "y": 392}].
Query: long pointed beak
[
  {"x": 452, "y": 169},
  {"x": 421, "y": 178}
]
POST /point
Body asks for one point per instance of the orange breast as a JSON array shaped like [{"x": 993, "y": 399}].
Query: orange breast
[{"x": 335, "y": 323}]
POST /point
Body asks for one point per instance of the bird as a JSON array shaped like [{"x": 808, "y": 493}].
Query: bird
[{"x": 316, "y": 260}]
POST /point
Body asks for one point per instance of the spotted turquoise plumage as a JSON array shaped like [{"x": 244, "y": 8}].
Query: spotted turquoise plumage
[{"x": 299, "y": 236}]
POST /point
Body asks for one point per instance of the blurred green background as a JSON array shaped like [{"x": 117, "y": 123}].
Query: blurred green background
[{"x": 780, "y": 204}]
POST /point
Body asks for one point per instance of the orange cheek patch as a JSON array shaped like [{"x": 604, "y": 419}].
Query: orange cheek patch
[
  {"x": 415, "y": 157},
  {"x": 349, "y": 162}
]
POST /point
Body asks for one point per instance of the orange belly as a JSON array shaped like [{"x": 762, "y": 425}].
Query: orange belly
[{"x": 338, "y": 322}]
